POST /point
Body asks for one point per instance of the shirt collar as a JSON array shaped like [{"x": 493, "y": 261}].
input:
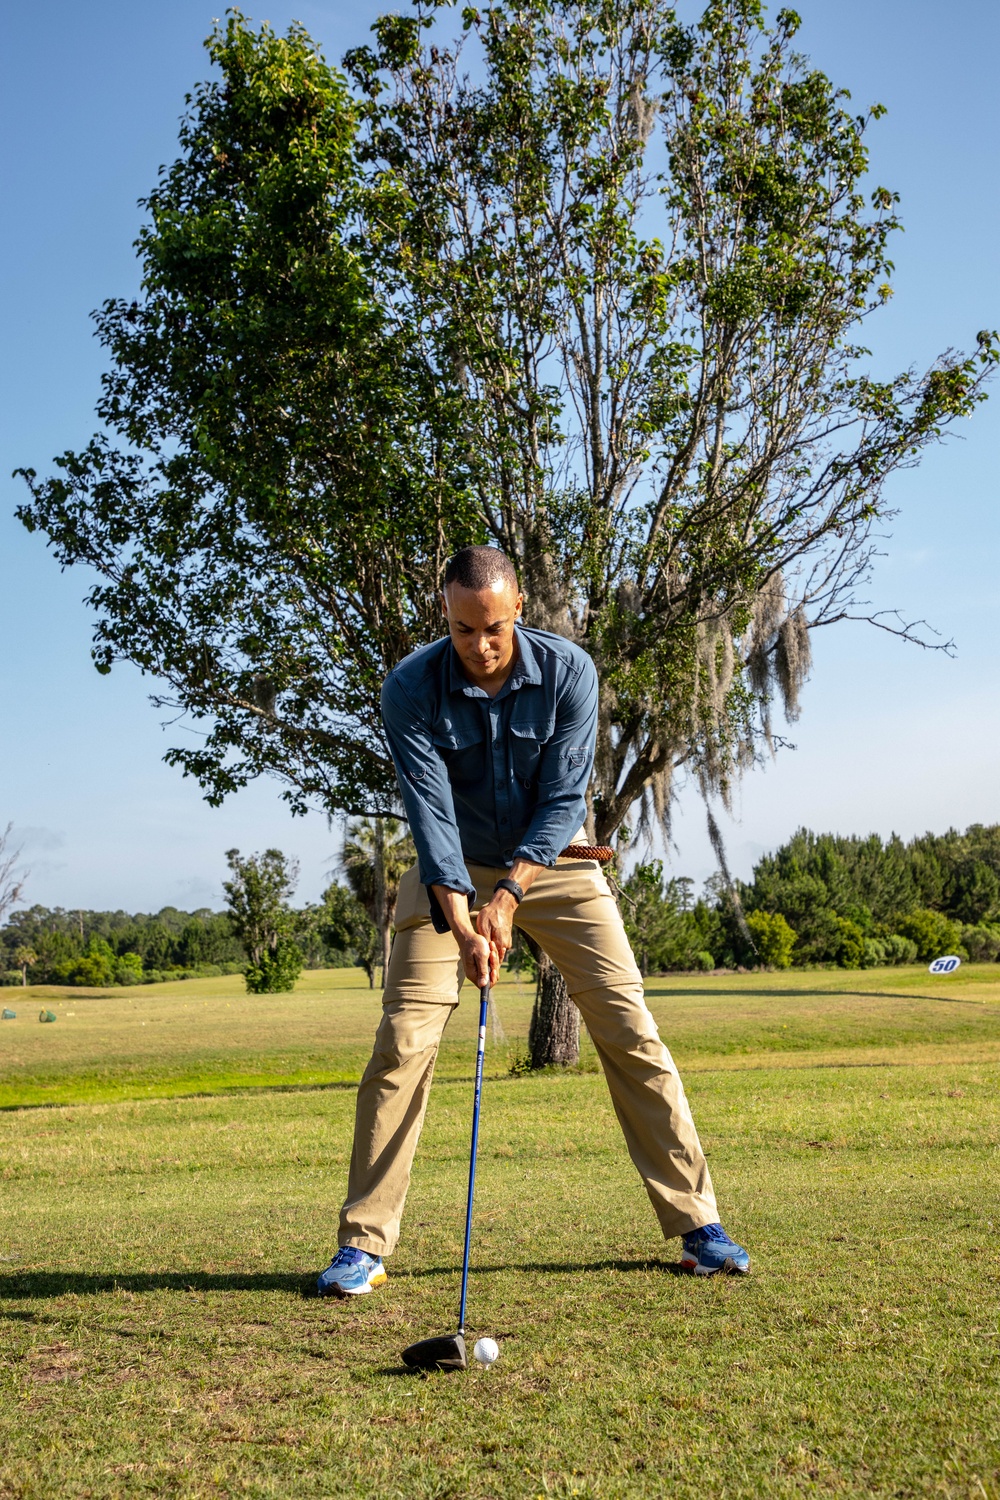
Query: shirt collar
[
  {"x": 526, "y": 671},
  {"x": 526, "y": 668}
]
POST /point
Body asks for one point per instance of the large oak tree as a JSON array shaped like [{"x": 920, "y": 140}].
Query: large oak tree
[{"x": 588, "y": 281}]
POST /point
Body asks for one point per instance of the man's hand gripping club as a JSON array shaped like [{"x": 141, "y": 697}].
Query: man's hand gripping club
[{"x": 485, "y": 945}]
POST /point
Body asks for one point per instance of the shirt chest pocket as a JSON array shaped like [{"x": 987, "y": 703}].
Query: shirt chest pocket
[
  {"x": 463, "y": 750},
  {"x": 527, "y": 743}
]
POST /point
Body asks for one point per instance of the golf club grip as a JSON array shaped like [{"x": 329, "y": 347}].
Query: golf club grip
[{"x": 484, "y": 1006}]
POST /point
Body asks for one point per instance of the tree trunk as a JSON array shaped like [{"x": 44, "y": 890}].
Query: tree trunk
[{"x": 554, "y": 1033}]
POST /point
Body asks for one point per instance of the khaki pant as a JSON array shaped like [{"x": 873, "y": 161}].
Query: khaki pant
[{"x": 572, "y": 914}]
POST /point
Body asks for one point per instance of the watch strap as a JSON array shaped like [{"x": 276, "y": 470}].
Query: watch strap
[{"x": 511, "y": 886}]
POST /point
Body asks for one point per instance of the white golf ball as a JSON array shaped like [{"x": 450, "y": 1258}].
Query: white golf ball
[{"x": 486, "y": 1351}]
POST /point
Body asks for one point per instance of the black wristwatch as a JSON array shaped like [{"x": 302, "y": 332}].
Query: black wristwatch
[{"x": 512, "y": 886}]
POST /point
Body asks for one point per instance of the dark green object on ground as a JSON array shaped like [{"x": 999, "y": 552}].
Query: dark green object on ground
[
  {"x": 46, "y": 1015},
  {"x": 8, "y": 1015}
]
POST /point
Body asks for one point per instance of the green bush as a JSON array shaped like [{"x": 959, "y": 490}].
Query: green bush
[
  {"x": 95, "y": 969},
  {"x": 10, "y": 977},
  {"x": 772, "y": 937},
  {"x": 128, "y": 969},
  {"x": 933, "y": 932},
  {"x": 873, "y": 954},
  {"x": 982, "y": 942},
  {"x": 849, "y": 950},
  {"x": 277, "y": 971},
  {"x": 704, "y": 961},
  {"x": 899, "y": 950}
]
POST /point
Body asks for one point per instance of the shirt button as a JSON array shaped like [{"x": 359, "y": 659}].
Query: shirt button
[{"x": 503, "y": 820}]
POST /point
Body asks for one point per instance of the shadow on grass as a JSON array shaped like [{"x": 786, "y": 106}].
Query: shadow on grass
[
  {"x": 28, "y": 1285},
  {"x": 550, "y": 1268}
]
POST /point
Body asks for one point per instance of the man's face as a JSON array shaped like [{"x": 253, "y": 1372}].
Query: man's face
[{"x": 481, "y": 625}]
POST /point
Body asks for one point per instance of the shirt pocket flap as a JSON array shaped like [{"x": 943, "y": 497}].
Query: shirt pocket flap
[
  {"x": 527, "y": 741},
  {"x": 540, "y": 731},
  {"x": 456, "y": 739}
]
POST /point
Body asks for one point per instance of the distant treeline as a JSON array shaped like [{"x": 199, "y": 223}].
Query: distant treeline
[
  {"x": 825, "y": 899},
  {"x": 99, "y": 948},
  {"x": 821, "y": 899}
]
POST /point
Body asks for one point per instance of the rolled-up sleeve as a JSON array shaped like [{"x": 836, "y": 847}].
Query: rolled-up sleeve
[
  {"x": 426, "y": 792},
  {"x": 564, "y": 772}
]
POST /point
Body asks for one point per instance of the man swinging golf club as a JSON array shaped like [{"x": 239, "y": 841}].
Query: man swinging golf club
[{"x": 492, "y": 733}]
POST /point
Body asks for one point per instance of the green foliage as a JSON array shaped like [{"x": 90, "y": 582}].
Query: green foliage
[
  {"x": 861, "y": 902},
  {"x": 377, "y": 854},
  {"x": 276, "y": 479},
  {"x": 666, "y": 928},
  {"x": 277, "y": 971},
  {"x": 594, "y": 291},
  {"x": 898, "y": 949},
  {"x": 99, "y": 966},
  {"x": 170, "y": 944},
  {"x": 344, "y": 923},
  {"x": 850, "y": 944},
  {"x": 773, "y": 938},
  {"x": 933, "y": 932},
  {"x": 982, "y": 942},
  {"x": 258, "y": 893}
]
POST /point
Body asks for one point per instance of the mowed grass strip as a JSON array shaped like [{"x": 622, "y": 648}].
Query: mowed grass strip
[
  {"x": 156, "y": 1254},
  {"x": 209, "y": 1036}
]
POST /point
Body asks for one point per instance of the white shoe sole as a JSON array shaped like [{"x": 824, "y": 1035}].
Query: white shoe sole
[
  {"x": 729, "y": 1267},
  {"x": 336, "y": 1290}
]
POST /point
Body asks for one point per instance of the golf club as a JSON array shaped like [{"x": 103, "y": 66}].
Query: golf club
[{"x": 448, "y": 1353}]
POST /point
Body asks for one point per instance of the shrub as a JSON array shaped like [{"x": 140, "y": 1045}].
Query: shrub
[
  {"x": 849, "y": 946},
  {"x": 277, "y": 971},
  {"x": 933, "y": 932},
  {"x": 899, "y": 950},
  {"x": 95, "y": 969},
  {"x": 982, "y": 943},
  {"x": 706, "y": 962},
  {"x": 128, "y": 969},
  {"x": 873, "y": 954},
  {"x": 773, "y": 938}
]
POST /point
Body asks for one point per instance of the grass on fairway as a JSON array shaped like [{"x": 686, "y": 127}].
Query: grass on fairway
[
  {"x": 155, "y": 1246},
  {"x": 209, "y": 1036}
]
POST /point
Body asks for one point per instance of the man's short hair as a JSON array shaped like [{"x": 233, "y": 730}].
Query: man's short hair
[{"x": 481, "y": 568}]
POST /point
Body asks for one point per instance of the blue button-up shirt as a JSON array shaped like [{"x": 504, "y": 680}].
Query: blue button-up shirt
[{"x": 485, "y": 779}]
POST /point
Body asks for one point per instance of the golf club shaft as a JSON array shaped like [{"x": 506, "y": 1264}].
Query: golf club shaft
[{"x": 484, "y": 1005}]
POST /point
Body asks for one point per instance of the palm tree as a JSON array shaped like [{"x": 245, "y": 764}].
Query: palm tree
[
  {"x": 24, "y": 958},
  {"x": 377, "y": 854}
]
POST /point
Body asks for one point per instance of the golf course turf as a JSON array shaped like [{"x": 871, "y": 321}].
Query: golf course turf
[{"x": 173, "y": 1158}]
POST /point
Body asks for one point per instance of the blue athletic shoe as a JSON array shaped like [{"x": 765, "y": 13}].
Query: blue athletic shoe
[
  {"x": 709, "y": 1249},
  {"x": 351, "y": 1273}
]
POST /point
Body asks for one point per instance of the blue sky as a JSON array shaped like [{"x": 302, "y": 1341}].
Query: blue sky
[{"x": 891, "y": 738}]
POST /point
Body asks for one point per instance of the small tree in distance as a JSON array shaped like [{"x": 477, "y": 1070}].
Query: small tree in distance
[
  {"x": 23, "y": 959},
  {"x": 773, "y": 938},
  {"x": 257, "y": 897},
  {"x": 343, "y": 923},
  {"x": 377, "y": 854}
]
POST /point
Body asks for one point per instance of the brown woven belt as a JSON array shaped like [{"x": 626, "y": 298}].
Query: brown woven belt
[{"x": 601, "y": 852}]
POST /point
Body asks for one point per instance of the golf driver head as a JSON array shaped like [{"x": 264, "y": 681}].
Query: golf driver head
[{"x": 436, "y": 1354}]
